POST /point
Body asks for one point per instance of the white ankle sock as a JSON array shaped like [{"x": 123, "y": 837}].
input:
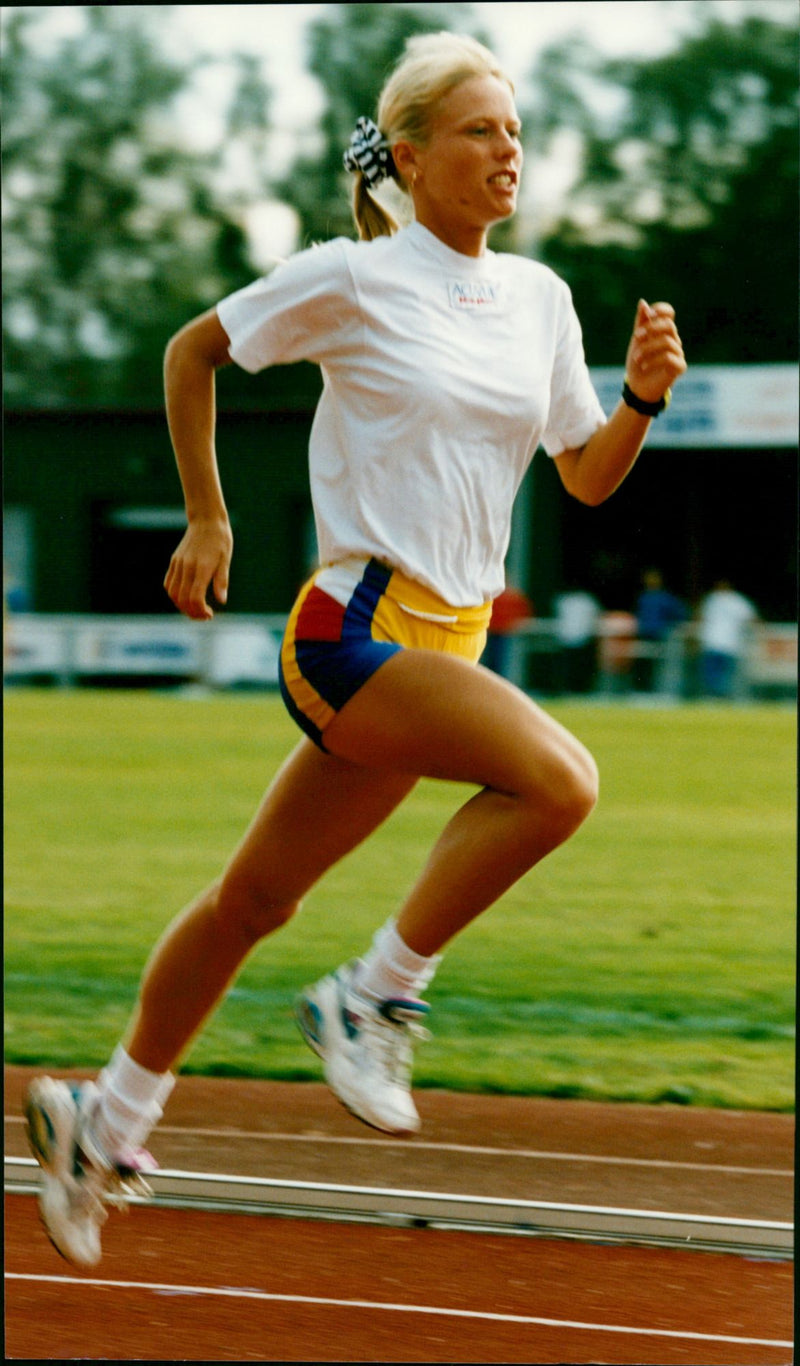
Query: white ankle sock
[
  {"x": 132, "y": 1100},
  {"x": 391, "y": 970}
]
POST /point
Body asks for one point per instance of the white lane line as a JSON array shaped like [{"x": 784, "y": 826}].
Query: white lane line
[
  {"x": 469, "y": 1148},
  {"x": 533, "y": 1153},
  {"x": 522, "y": 1320}
]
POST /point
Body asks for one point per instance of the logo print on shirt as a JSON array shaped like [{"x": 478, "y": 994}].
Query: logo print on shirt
[{"x": 473, "y": 294}]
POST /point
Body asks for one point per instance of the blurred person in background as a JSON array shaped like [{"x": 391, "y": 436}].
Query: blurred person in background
[
  {"x": 509, "y": 609},
  {"x": 576, "y": 614},
  {"x": 445, "y": 367},
  {"x": 658, "y": 612},
  {"x": 722, "y": 629}
]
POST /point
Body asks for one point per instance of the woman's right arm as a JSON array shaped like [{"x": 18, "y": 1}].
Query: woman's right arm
[{"x": 202, "y": 559}]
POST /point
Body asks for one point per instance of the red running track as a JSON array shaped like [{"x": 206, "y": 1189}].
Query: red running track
[{"x": 177, "y": 1285}]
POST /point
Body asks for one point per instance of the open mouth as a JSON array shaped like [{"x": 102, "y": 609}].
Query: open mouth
[{"x": 506, "y": 180}]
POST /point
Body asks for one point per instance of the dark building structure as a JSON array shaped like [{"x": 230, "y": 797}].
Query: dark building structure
[{"x": 94, "y": 508}]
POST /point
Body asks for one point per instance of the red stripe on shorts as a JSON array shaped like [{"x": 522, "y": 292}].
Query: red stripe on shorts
[{"x": 320, "y": 617}]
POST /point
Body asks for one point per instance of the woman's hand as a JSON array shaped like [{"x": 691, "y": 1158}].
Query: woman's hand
[
  {"x": 655, "y": 356},
  {"x": 202, "y": 560},
  {"x": 654, "y": 361}
]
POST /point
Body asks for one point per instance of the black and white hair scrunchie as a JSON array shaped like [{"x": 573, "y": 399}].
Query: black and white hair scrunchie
[{"x": 369, "y": 152}]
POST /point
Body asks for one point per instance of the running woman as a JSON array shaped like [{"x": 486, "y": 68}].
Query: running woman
[{"x": 445, "y": 366}]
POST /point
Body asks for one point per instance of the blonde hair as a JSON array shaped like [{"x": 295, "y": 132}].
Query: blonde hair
[{"x": 432, "y": 65}]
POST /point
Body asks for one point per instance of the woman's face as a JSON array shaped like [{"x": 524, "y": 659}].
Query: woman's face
[{"x": 467, "y": 177}]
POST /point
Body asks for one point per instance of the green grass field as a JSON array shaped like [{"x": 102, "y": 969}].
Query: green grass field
[{"x": 650, "y": 959}]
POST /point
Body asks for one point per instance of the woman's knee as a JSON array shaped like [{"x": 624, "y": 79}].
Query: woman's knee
[
  {"x": 568, "y": 794},
  {"x": 588, "y": 779},
  {"x": 584, "y": 786},
  {"x": 578, "y": 790},
  {"x": 253, "y": 907}
]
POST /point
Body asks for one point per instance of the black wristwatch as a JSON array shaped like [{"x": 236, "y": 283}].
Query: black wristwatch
[{"x": 641, "y": 405}]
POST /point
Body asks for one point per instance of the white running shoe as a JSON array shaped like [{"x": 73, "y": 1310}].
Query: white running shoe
[
  {"x": 78, "y": 1178},
  {"x": 366, "y": 1047}
]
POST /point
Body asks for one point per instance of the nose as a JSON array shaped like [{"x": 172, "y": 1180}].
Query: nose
[{"x": 508, "y": 145}]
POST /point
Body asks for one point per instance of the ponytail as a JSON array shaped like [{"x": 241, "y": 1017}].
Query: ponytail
[
  {"x": 371, "y": 219},
  {"x": 369, "y": 159}
]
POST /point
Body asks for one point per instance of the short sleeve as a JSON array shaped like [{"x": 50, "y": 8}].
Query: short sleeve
[
  {"x": 575, "y": 412},
  {"x": 300, "y": 311}
]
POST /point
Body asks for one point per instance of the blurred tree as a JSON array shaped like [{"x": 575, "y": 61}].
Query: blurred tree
[
  {"x": 351, "y": 51},
  {"x": 113, "y": 233},
  {"x": 688, "y": 188}
]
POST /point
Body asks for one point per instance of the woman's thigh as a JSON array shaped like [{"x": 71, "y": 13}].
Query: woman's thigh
[
  {"x": 318, "y": 808},
  {"x": 434, "y": 715}
]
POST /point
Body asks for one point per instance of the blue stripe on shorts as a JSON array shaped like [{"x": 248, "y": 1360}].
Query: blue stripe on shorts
[{"x": 334, "y": 648}]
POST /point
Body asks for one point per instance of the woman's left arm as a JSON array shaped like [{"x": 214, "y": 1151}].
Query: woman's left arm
[{"x": 655, "y": 360}]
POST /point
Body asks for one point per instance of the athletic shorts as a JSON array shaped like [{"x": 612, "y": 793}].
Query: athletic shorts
[{"x": 348, "y": 620}]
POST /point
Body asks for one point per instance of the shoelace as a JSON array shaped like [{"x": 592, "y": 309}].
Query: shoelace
[
  {"x": 122, "y": 1187},
  {"x": 394, "y": 1042},
  {"x": 114, "y": 1186}
]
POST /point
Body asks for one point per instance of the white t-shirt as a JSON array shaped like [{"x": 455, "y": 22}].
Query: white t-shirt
[
  {"x": 442, "y": 374},
  {"x": 723, "y": 618},
  {"x": 576, "y": 617}
]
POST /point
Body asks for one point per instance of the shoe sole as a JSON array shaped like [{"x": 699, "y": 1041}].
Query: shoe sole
[
  {"x": 41, "y": 1129},
  {"x": 307, "y": 1018},
  {"x": 45, "y": 1113}
]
